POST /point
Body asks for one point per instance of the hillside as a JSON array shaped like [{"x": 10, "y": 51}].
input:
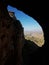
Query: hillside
[{"x": 36, "y": 37}]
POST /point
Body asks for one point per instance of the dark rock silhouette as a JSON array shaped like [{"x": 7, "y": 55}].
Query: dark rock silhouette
[
  {"x": 40, "y": 14},
  {"x": 11, "y": 38},
  {"x": 29, "y": 50}
]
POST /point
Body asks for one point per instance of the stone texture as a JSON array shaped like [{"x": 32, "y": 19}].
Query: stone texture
[{"x": 11, "y": 39}]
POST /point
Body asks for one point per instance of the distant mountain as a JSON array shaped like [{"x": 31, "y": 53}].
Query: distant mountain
[{"x": 33, "y": 32}]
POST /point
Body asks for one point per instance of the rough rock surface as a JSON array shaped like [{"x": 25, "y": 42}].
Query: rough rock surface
[{"x": 11, "y": 39}]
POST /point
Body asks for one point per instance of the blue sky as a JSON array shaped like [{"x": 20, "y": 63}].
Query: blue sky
[{"x": 28, "y": 22}]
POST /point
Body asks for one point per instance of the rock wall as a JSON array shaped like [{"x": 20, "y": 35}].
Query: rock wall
[{"x": 11, "y": 40}]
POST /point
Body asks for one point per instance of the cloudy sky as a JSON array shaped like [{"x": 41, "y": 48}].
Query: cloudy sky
[{"x": 28, "y": 22}]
